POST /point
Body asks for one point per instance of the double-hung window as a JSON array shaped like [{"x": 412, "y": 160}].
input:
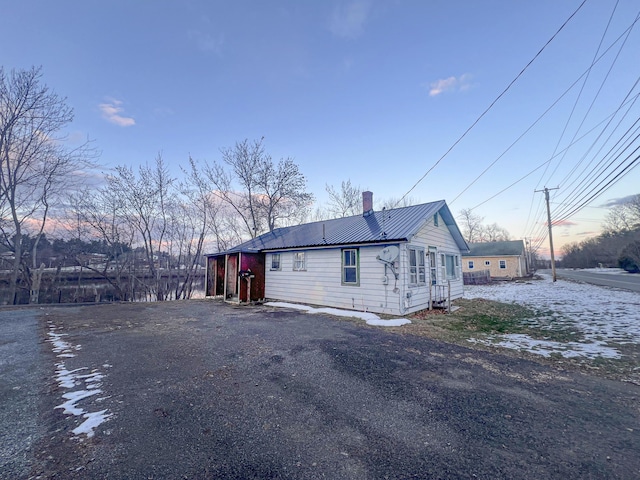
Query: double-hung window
[
  {"x": 417, "y": 271},
  {"x": 299, "y": 261},
  {"x": 275, "y": 261},
  {"x": 350, "y": 273},
  {"x": 503, "y": 264},
  {"x": 449, "y": 266}
]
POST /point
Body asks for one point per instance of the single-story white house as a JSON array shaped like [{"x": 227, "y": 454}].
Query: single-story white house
[{"x": 393, "y": 261}]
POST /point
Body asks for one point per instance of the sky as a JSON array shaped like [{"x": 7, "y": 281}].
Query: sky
[{"x": 401, "y": 97}]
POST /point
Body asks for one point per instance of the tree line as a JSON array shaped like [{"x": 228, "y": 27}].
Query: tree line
[{"x": 617, "y": 246}]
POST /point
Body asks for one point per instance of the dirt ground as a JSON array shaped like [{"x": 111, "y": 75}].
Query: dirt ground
[{"x": 201, "y": 389}]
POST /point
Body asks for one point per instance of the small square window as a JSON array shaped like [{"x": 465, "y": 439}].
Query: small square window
[
  {"x": 275, "y": 261},
  {"x": 487, "y": 263}
]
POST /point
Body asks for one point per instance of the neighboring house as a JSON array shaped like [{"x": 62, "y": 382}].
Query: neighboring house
[
  {"x": 392, "y": 261},
  {"x": 502, "y": 259}
]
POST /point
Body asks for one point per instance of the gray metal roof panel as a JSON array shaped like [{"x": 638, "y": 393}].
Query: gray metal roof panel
[
  {"x": 493, "y": 249},
  {"x": 398, "y": 224}
]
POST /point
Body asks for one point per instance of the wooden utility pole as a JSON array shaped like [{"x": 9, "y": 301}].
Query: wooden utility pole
[{"x": 553, "y": 260}]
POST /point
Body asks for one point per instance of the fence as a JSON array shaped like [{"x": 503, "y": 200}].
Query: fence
[{"x": 476, "y": 278}]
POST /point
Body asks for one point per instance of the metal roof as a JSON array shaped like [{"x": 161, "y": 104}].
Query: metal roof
[
  {"x": 495, "y": 249},
  {"x": 398, "y": 224}
]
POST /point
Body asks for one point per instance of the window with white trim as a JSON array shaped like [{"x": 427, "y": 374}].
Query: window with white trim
[
  {"x": 350, "y": 267},
  {"x": 487, "y": 263},
  {"x": 275, "y": 261},
  {"x": 503, "y": 264},
  {"x": 417, "y": 270},
  {"x": 299, "y": 261},
  {"x": 449, "y": 264}
]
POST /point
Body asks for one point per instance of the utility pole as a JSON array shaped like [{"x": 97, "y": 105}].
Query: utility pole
[{"x": 553, "y": 260}]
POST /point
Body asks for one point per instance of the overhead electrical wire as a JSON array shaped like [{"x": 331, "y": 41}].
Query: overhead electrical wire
[
  {"x": 549, "y": 160},
  {"x": 584, "y": 83},
  {"x": 566, "y": 91},
  {"x": 627, "y": 32},
  {"x": 492, "y": 103}
]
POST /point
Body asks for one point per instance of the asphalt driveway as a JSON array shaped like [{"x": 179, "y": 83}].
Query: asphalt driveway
[{"x": 201, "y": 389}]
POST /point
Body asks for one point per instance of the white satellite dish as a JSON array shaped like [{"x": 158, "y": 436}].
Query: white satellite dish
[{"x": 389, "y": 254}]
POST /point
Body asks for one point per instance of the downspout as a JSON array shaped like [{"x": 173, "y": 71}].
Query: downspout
[
  {"x": 226, "y": 266},
  {"x": 206, "y": 278},
  {"x": 401, "y": 307},
  {"x": 238, "y": 275}
]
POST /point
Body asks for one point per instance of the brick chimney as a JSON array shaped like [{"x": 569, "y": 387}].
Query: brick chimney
[{"x": 367, "y": 203}]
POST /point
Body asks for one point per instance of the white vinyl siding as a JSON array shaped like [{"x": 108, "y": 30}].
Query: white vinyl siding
[
  {"x": 435, "y": 240},
  {"x": 378, "y": 290},
  {"x": 320, "y": 283}
]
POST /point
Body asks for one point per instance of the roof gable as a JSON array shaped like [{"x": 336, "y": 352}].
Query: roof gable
[{"x": 398, "y": 224}]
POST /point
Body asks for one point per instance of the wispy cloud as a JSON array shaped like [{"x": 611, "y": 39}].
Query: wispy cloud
[
  {"x": 207, "y": 42},
  {"x": 451, "y": 84},
  {"x": 112, "y": 112},
  {"x": 563, "y": 223},
  {"x": 618, "y": 201},
  {"x": 348, "y": 20}
]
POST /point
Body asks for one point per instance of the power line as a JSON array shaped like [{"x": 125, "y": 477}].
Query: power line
[
  {"x": 540, "y": 117},
  {"x": 493, "y": 103}
]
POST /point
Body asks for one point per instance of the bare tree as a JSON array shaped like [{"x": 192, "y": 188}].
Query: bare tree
[
  {"x": 262, "y": 194},
  {"x": 624, "y": 217},
  {"x": 282, "y": 197},
  {"x": 99, "y": 214},
  {"x": 394, "y": 202},
  {"x": 493, "y": 233},
  {"x": 146, "y": 199},
  {"x": 471, "y": 225},
  {"x": 35, "y": 165},
  {"x": 344, "y": 202}
]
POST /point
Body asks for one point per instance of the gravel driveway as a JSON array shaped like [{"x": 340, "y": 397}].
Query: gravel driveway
[{"x": 201, "y": 389}]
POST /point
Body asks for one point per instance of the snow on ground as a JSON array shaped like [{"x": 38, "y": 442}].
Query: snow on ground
[
  {"x": 370, "y": 318},
  {"x": 70, "y": 379},
  {"x": 605, "y": 317}
]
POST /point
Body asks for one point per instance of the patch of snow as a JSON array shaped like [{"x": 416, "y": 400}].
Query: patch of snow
[
  {"x": 93, "y": 419},
  {"x": 602, "y": 315},
  {"x": 394, "y": 322},
  {"x": 606, "y": 271},
  {"x": 69, "y": 406},
  {"x": 517, "y": 341},
  {"x": 370, "y": 318},
  {"x": 69, "y": 379}
]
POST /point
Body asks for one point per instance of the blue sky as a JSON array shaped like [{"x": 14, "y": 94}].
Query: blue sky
[{"x": 368, "y": 90}]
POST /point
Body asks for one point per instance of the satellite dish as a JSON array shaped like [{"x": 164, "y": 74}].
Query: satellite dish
[{"x": 389, "y": 254}]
